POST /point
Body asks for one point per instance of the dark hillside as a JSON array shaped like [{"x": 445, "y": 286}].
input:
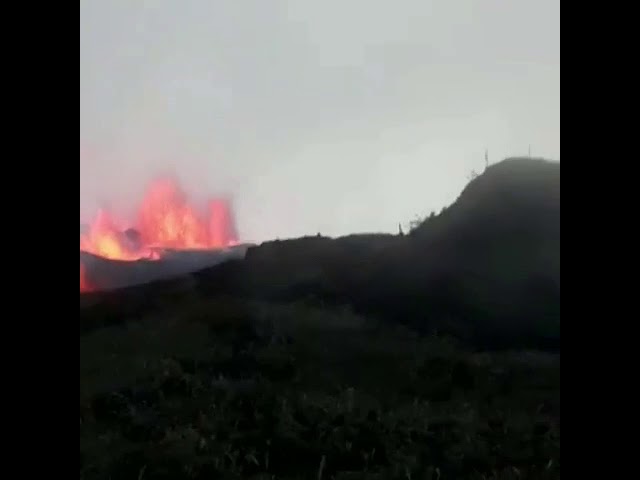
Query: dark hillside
[{"x": 486, "y": 269}]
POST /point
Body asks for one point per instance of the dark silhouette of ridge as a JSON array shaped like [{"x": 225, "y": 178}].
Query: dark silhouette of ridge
[
  {"x": 487, "y": 269},
  {"x": 491, "y": 260}
]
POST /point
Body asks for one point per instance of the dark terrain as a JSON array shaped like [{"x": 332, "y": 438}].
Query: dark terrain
[{"x": 429, "y": 355}]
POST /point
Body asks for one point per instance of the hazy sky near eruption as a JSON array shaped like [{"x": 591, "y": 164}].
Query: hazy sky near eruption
[{"x": 333, "y": 116}]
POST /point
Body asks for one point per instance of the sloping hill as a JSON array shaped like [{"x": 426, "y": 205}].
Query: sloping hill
[
  {"x": 491, "y": 261},
  {"x": 507, "y": 218},
  {"x": 486, "y": 269}
]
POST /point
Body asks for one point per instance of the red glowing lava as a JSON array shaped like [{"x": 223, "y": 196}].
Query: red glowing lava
[
  {"x": 165, "y": 219},
  {"x": 84, "y": 284}
]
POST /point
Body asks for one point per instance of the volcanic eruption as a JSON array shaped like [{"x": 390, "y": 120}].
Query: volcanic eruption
[{"x": 165, "y": 220}]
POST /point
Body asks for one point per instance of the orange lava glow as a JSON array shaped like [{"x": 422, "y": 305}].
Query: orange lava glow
[
  {"x": 84, "y": 284},
  {"x": 165, "y": 219}
]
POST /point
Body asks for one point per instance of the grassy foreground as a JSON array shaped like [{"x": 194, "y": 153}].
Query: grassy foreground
[{"x": 226, "y": 389}]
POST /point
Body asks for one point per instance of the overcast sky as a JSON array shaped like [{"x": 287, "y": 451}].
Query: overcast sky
[{"x": 330, "y": 116}]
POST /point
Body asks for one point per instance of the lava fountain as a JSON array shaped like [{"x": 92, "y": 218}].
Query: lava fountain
[{"x": 166, "y": 219}]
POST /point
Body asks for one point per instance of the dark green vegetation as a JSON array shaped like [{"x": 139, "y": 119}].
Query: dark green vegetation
[
  {"x": 369, "y": 356},
  {"x": 235, "y": 389}
]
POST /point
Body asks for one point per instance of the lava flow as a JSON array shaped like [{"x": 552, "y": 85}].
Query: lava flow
[{"x": 165, "y": 219}]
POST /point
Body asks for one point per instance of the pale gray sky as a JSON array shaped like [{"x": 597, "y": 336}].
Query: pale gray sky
[{"x": 335, "y": 116}]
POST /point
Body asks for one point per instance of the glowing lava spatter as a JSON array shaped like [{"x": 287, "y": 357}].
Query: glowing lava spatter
[
  {"x": 106, "y": 239},
  {"x": 165, "y": 219}
]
